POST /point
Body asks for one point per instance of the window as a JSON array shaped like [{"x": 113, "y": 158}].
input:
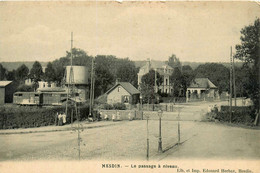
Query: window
[
  {"x": 166, "y": 81},
  {"x": 126, "y": 99},
  {"x": 118, "y": 89},
  {"x": 43, "y": 85},
  {"x": 36, "y": 95}
]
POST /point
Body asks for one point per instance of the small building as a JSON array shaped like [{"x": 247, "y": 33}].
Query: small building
[
  {"x": 29, "y": 81},
  {"x": 201, "y": 88},
  {"x": 6, "y": 92},
  {"x": 44, "y": 84},
  {"x": 123, "y": 92}
]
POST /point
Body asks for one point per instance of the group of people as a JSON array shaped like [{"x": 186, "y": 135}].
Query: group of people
[{"x": 61, "y": 118}]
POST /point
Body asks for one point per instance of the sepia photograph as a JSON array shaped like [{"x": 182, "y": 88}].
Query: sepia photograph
[{"x": 130, "y": 86}]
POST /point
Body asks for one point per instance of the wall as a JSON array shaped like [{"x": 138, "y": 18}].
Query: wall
[
  {"x": 115, "y": 96},
  {"x": 123, "y": 114},
  {"x": 9, "y": 91},
  {"x": 2, "y": 96}
]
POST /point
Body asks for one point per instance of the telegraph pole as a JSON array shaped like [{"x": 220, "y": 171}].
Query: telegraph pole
[
  {"x": 91, "y": 88},
  {"x": 230, "y": 97},
  {"x": 70, "y": 75},
  {"x": 234, "y": 82}
]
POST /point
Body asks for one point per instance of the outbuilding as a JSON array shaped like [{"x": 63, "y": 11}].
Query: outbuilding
[
  {"x": 123, "y": 92},
  {"x": 201, "y": 88},
  {"x": 6, "y": 92}
]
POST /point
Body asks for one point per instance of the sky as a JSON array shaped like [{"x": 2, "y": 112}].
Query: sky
[{"x": 193, "y": 31}]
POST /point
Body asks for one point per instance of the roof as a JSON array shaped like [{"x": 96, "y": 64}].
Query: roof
[
  {"x": 4, "y": 83},
  {"x": 202, "y": 83},
  {"x": 127, "y": 86},
  {"x": 54, "y": 89},
  {"x": 157, "y": 64}
]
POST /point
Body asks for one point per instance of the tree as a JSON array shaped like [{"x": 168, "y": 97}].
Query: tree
[
  {"x": 147, "y": 85},
  {"x": 3, "y": 72},
  {"x": 103, "y": 80},
  {"x": 21, "y": 73},
  {"x": 243, "y": 83},
  {"x": 176, "y": 80},
  {"x": 127, "y": 72},
  {"x": 249, "y": 52},
  {"x": 49, "y": 73},
  {"x": 188, "y": 76},
  {"x": 36, "y": 72},
  {"x": 173, "y": 61},
  {"x": 216, "y": 73},
  {"x": 11, "y": 75},
  {"x": 80, "y": 57}
]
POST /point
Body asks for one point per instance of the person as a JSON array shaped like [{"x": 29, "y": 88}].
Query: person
[
  {"x": 60, "y": 119},
  {"x": 63, "y": 118}
]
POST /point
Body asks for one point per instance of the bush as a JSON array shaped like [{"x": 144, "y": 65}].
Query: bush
[
  {"x": 25, "y": 88},
  {"x": 26, "y": 117},
  {"x": 119, "y": 106},
  {"x": 240, "y": 115},
  {"x": 106, "y": 106}
]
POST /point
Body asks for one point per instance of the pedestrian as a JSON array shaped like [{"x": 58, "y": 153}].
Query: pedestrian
[
  {"x": 56, "y": 118},
  {"x": 60, "y": 119},
  {"x": 63, "y": 118}
]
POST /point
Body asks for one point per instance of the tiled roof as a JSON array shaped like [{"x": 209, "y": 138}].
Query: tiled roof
[
  {"x": 157, "y": 64},
  {"x": 4, "y": 83},
  {"x": 127, "y": 86},
  {"x": 202, "y": 83}
]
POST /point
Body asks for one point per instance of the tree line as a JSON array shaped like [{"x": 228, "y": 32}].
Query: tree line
[{"x": 108, "y": 68}]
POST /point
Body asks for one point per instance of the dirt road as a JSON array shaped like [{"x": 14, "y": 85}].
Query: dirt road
[{"x": 126, "y": 140}]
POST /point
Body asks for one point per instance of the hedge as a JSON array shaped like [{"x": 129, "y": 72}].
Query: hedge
[
  {"x": 240, "y": 115},
  {"x": 26, "y": 117}
]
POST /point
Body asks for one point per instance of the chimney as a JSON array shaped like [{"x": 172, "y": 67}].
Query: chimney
[
  {"x": 148, "y": 64},
  {"x": 117, "y": 80}
]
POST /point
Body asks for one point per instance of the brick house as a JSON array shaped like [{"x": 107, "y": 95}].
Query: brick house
[{"x": 123, "y": 92}]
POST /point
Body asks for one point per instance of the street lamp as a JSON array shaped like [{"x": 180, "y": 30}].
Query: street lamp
[
  {"x": 147, "y": 136},
  {"x": 141, "y": 102},
  {"x": 160, "y": 131}
]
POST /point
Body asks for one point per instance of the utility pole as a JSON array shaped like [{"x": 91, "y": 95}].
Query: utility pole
[
  {"x": 70, "y": 74},
  {"x": 91, "y": 88},
  {"x": 234, "y": 82},
  {"x": 155, "y": 79},
  {"x": 230, "y": 97}
]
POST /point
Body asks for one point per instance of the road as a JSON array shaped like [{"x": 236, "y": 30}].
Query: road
[{"x": 126, "y": 140}]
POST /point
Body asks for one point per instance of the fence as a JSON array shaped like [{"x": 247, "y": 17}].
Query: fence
[
  {"x": 168, "y": 107},
  {"x": 121, "y": 114}
]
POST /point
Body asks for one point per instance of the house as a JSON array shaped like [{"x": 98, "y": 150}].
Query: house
[
  {"x": 123, "y": 92},
  {"x": 163, "y": 69},
  {"x": 6, "y": 92},
  {"x": 202, "y": 87},
  {"x": 29, "y": 81},
  {"x": 46, "y": 85}
]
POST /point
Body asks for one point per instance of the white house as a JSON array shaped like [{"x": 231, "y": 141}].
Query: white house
[{"x": 163, "y": 69}]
